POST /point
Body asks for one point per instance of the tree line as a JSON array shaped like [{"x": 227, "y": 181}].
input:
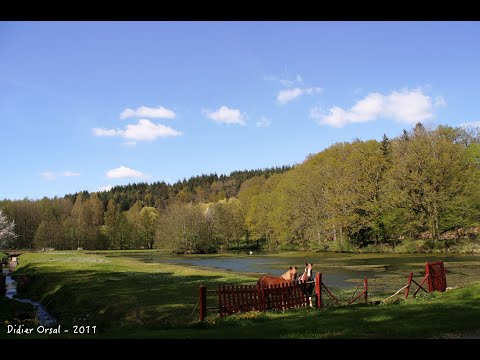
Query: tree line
[
  {"x": 422, "y": 183},
  {"x": 125, "y": 217}
]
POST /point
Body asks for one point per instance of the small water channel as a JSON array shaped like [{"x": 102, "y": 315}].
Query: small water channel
[{"x": 43, "y": 317}]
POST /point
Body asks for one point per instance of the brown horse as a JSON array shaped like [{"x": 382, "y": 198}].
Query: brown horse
[
  {"x": 307, "y": 276},
  {"x": 288, "y": 277}
]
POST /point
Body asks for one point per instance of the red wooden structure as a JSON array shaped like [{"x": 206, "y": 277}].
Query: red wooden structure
[
  {"x": 243, "y": 298},
  {"x": 320, "y": 287},
  {"x": 203, "y": 302},
  {"x": 437, "y": 279}
]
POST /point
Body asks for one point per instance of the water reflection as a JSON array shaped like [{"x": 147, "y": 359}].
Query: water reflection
[
  {"x": 338, "y": 269},
  {"x": 275, "y": 266}
]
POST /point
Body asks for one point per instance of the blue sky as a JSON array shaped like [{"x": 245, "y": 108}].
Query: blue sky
[{"x": 87, "y": 105}]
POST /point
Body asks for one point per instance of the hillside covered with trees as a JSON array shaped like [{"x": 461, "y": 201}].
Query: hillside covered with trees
[{"x": 422, "y": 184}]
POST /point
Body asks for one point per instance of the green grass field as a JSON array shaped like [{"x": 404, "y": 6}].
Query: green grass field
[{"x": 127, "y": 298}]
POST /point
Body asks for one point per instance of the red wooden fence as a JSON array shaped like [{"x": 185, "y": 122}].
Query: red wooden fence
[
  {"x": 242, "y": 298},
  {"x": 437, "y": 280},
  {"x": 435, "y": 277}
]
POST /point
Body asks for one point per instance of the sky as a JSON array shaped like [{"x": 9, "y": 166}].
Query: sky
[{"x": 90, "y": 105}]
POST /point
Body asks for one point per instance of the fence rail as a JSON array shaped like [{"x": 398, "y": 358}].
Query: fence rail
[{"x": 242, "y": 298}]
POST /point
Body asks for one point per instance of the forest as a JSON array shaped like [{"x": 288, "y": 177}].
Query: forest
[{"x": 422, "y": 184}]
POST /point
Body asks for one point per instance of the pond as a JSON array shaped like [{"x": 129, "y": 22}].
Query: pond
[{"x": 338, "y": 269}]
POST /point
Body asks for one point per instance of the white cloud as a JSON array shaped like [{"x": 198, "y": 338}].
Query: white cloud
[
  {"x": 283, "y": 80},
  {"x": 49, "y": 175},
  {"x": 225, "y": 115},
  {"x": 106, "y": 188},
  {"x": 264, "y": 122},
  {"x": 402, "y": 106},
  {"x": 287, "y": 95},
  {"x": 124, "y": 172},
  {"x": 474, "y": 124},
  {"x": 106, "y": 132},
  {"x": 70, "y": 173},
  {"x": 144, "y": 111},
  {"x": 144, "y": 130},
  {"x": 125, "y": 114}
]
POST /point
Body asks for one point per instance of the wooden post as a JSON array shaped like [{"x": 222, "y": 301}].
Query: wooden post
[
  {"x": 318, "y": 289},
  {"x": 203, "y": 302},
  {"x": 267, "y": 298},
  {"x": 365, "y": 289},
  {"x": 408, "y": 285},
  {"x": 274, "y": 288},
  {"x": 220, "y": 305},
  {"x": 444, "y": 276},
  {"x": 254, "y": 290},
  {"x": 250, "y": 297},
  {"x": 298, "y": 294},
  {"x": 429, "y": 278},
  {"x": 261, "y": 297},
  {"x": 234, "y": 298}
]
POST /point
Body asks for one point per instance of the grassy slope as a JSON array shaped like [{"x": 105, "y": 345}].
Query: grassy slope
[
  {"x": 90, "y": 289},
  {"x": 453, "y": 312},
  {"x": 11, "y": 309},
  {"x": 128, "y": 298}
]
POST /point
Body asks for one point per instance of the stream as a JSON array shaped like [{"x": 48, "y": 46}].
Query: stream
[{"x": 43, "y": 317}]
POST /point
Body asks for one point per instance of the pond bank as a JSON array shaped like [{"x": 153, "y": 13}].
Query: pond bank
[{"x": 338, "y": 269}]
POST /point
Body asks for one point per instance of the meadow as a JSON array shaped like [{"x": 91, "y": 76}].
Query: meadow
[{"x": 125, "y": 296}]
